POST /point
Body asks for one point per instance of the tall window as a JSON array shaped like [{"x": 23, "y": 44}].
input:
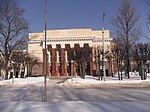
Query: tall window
[
  {"x": 59, "y": 55},
  {"x": 66, "y": 56}
]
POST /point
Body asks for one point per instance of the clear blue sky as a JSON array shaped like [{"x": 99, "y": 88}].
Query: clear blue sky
[{"x": 66, "y": 14}]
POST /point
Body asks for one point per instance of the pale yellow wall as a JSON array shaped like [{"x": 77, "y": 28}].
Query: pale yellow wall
[
  {"x": 69, "y": 33},
  {"x": 36, "y": 49},
  {"x": 106, "y": 45},
  {"x": 98, "y": 33},
  {"x": 35, "y": 36}
]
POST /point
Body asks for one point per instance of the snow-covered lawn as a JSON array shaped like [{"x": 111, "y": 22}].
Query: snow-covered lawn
[
  {"x": 62, "y": 99},
  {"x": 90, "y": 81},
  {"x": 23, "y": 81}
]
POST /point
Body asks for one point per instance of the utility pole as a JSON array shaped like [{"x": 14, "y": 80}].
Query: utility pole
[
  {"x": 103, "y": 51},
  {"x": 45, "y": 53}
]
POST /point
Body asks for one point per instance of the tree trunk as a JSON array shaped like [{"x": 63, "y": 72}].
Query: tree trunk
[
  {"x": 118, "y": 69},
  {"x": 111, "y": 69},
  {"x": 28, "y": 71},
  {"x": 31, "y": 72},
  {"x": 143, "y": 74},
  {"x": 6, "y": 69},
  {"x": 121, "y": 70},
  {"x": 83, "y": 70},
  {"x": 6, "y": 74},
  {"x": 121, "y": 73},
  {"x": 15, "y": 74},
  {"x": 80, "y": 69},
  {"x": 0, "y": 72},
  {"x": 127, "y": 62},
  {"x": 99, "y": 66},
  {"x": 99, "y": 71}
]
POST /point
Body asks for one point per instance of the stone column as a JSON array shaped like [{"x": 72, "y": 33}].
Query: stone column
[
  {"x": 48, "y": 61},
  {"x": 54, "y": 61},
  {"x": 91, "y": 61},
  {"x": 63, "y": 61}
]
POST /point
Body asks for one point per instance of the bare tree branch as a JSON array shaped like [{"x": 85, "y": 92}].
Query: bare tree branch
[
  {"x": 12, "y": 28},
  {"x": 126, "y": 27}
]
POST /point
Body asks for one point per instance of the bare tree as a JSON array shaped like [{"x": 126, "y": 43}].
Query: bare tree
[
  {"x": 126, "y": 27},
  {"x": 12, "y": 29},
  {"x": 30, "y": 61},
  {"x": 21, "y": 59},
  {"x": 118, "y": 55},
  {"x": 148, "y": 22},
  {"x": 148, "y": 18},
  {"x": 109, "y": 58},
  {"x": 141, "y": 55},
  {"x": 1, "y": 65},
  {"x": 98, "y": 61},
  {"x": 81, "y": 57},
  {"x": 18, "y": 59}
]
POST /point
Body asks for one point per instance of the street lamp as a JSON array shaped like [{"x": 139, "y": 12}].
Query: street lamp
[
  {"x": 45, "y": 53},
  {"x": 103, "y": 67}
]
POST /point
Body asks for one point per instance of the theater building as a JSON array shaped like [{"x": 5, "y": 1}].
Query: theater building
[{"x": 58, "y": 42}]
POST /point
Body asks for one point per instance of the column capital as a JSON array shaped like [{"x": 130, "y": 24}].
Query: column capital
[
  {"x": 90, "y": 45},
  {"x": 81, "y": 44},
  {"x": 62, "y": 45},
  {"x": 44, "y": 50},
  {"x": 43, "y": 44},
  {"x": 53, "y": 45},
  {"x": 72, "y": 45}
]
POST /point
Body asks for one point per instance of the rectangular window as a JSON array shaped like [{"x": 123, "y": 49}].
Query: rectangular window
[{"x": 66, "y": 56}]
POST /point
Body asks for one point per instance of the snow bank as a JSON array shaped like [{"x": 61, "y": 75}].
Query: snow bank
[
  {"x": 20, "y": 81},
  {"x": 110, "y": 81}
]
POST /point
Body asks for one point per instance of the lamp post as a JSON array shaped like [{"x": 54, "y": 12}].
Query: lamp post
[
  {"x": 103, "y": 67},
  {"x": 45, "y": 53}
]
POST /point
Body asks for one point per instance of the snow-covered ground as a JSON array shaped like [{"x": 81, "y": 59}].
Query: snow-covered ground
[
  {"x": 29, "y": 97},
  {"x": 89, "y": 81},
  {"x": 75, "y": 106},
  {"x": 23, "y": 81}
]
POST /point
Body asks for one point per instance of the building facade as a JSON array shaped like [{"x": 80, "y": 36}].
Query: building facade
[{"x": 58, "y": 43}]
